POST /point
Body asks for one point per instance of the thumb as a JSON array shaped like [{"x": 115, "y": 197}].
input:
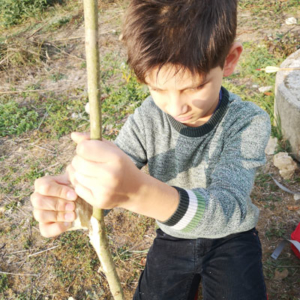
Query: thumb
[{"x": 78, "y": 137}]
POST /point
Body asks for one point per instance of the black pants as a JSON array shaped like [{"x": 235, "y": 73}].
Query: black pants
[{"x": 230, "y": 268}]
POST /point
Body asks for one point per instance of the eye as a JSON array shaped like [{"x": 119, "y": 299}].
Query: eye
[{"x": 196, "y": 89}]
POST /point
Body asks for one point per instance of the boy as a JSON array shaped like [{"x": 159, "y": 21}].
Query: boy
[{"x": 202, "y": 145}]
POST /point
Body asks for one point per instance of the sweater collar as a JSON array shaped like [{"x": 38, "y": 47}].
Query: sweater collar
[{"x": 209, "y": 125}]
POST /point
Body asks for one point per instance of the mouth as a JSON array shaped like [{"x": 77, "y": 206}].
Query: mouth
[{"x": 183, "y": 119}]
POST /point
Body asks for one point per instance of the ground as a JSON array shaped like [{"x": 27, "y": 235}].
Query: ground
[{"x": 42, "y": 99}]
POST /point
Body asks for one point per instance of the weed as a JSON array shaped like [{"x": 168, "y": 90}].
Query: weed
[
  {"x": 57, "y": 76},
  {"x": 259, "y": 7},
  {"x": 3, "y": 283},
  {"x": 11, "y": 206},
  {"x": 59, "y": 23},
  {"x": 15, "y": 119},
  {"x": 14, "y": 11},
  {"x": 275, "y": 231}
]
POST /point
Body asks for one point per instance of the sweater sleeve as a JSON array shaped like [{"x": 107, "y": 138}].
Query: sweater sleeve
[
  {"x": 225, "y": 202},
  {"x": 132, "y": 139}
]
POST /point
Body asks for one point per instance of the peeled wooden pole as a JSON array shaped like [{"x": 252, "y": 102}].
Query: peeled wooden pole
[{"x": 96, "y": 226}]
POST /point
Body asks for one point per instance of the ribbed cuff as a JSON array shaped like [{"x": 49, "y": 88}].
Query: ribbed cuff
[
  {"x": 190, "y": 210},
  {"x": 184, "y": 201}
]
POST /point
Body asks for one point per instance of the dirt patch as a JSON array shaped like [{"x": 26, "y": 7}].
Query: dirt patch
[{"x": 67, "y": 266}]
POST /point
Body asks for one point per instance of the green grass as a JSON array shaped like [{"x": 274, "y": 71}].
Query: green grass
[
  {"x": 14, "y": 119},
  {"x": 259, "y": 7},
  {"x": 3, "y": 283},
  {"x": 257, "y": 56},
  {"x": 13, "y": 12}
]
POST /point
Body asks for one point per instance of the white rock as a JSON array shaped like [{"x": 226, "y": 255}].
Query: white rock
[
  {"x": 264, "y": 89},
  {"x": 87, "y": 108},
  {"x": 291, "y": 21},
  {"x": 297, "y": 197},
  {"x": 271, "y": 147},
  {"x": 285, "y": 164},
  {"x": 255, "y": 86}
]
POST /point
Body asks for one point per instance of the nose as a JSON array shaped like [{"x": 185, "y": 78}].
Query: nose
[{"x": 176, "y": 105}]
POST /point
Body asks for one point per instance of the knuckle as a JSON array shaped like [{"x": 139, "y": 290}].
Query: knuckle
[
  {"x": 81, "y": 147},
  {"x": 37, "y": 215},
  {"x": 45, "y": 233},
  {"x": 44, "y": 188}
]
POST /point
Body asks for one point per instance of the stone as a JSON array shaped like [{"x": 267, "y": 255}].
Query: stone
[
  {"x": 87, "y": 108},
  {"x": 271, "y": 147},
  {"x": 287, "y": 102},
  {"x": 291, "y": 21},
  {"x": 297, "y": 197},
  {"x": 285, "y": 164},
  {"x": 264, "y": 89}
]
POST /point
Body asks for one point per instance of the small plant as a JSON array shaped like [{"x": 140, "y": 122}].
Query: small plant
[
  {"x": 14, "y": 11},
  {"x": 3, "y": 283},
  {"x": 15, "y": 120}
]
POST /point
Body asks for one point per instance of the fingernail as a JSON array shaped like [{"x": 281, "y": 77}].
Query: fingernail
[
  {"x": 67, "y": 224},
  {"x": 71, "y": 195},
  {"x": 69, "y": 207},
  {"x": 69, "y": 217}
]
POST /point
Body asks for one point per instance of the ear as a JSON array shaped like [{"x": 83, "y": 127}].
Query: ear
[{"x": 232, "y": 58}]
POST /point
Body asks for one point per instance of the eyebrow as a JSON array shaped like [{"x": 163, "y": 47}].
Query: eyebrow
[{"x": 185, "y": 88}]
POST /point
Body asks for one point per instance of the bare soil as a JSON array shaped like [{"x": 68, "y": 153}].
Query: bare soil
[{"x": 66, "y": 266}]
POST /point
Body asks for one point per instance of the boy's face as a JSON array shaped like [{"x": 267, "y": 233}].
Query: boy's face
[{"x": 191, "y": 100}]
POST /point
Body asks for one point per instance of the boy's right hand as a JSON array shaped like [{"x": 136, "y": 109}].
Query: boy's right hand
[{"x": 53, "y": 203}]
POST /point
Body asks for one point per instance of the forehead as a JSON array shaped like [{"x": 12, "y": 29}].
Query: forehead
[{"x": 170, "y": 75}]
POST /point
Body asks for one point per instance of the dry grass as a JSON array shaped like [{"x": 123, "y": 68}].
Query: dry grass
[{"x": 48, "y": 56}]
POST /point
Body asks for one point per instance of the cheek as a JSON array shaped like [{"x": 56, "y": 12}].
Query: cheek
[{"x": 159, "y": 100}]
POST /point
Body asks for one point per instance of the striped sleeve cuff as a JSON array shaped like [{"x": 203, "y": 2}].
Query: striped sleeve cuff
[{"x": 189, "y": 212}]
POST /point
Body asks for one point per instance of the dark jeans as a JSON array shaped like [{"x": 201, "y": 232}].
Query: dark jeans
[{"x": 230, "y": 268}]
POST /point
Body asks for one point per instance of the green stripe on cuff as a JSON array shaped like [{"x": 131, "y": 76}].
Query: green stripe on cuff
[{"x": 199, "y": 213}]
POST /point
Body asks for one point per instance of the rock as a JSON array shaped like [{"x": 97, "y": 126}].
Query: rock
[
  {"x": 291, "y": 21},
  {"x": 271, "y": 147},
  {"x": 87, "y": 108},
  {"x": 281, "y": 275},
  {"x": 297, "y": 197},
  {"x": 264, "y": 89},
  {"x": 255, "y": 86},
  {"x": 285, "y": 164},
  {"x": 287, "y": 102}
]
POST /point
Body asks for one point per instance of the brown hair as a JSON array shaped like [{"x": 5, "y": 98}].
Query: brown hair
[{"x": 195, "y": 35}]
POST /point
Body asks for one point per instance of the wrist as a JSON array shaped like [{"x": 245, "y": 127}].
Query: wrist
[{"x": 152, "y": 198}]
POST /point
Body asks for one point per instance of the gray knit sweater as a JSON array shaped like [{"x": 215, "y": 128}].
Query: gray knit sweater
[{"x": 212, "y": 166}]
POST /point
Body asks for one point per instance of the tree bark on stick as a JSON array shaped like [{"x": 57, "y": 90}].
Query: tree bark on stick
[{"x": 96, "y": 225}]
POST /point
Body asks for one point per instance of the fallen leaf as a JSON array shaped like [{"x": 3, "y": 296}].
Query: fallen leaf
[
  {"x": 293, "y": 207},
  {"x": 268, "y": 93},
  {"x": 281, "y": 275}
]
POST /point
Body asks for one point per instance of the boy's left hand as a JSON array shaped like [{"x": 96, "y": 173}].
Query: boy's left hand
[{"x": 102, "y": 174}]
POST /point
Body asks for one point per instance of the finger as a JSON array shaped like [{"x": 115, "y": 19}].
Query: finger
[
  {"x": 49, "y": 187},
  {"x": 85, "y": 194},
  {"x": 88, "y": 168},
  {"x": 71, "y": 173},
  {"x": 61, "y": 179},
  {"x": 53, "y": 229},
  {"x": 87, "y": 181},
  {"x": 78, "y": 137},
  {"x": 49, "y": 216},
  {"x": 51, "y": 203},
  {"x": 98, "y": 151}
]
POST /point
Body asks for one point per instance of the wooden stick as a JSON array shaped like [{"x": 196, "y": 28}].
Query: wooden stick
[
  {"x": 97, "y": 231},
  {"x": 17, "y": 274}
]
